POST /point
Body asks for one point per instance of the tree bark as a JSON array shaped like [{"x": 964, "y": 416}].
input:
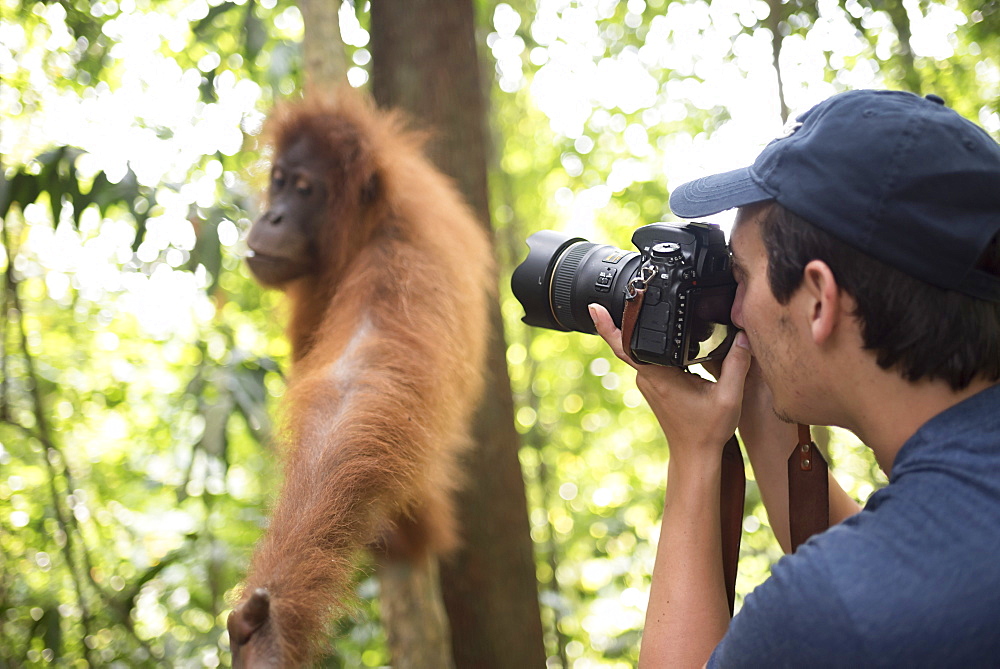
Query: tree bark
[
  {"x": 322, "y": 46},
  {"x": 413, "y": 614},
  {"x": 425, "y": 61}
]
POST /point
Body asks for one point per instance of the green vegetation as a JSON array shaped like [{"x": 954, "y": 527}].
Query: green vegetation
[{"x": 140, "y": 364}]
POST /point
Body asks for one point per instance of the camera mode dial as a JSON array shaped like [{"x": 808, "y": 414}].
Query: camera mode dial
[{"x": 667, "y": 253}]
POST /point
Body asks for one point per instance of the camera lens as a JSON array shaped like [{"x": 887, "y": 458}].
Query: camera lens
[{"x": 562, "y": 275}]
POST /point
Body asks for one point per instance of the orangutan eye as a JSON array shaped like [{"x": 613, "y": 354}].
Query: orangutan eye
[{"x": 303, "y": 186}]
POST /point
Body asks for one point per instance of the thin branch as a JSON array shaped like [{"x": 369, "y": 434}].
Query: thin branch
[
  {"x": 5, "y": 413},
  {"x": 4, "y": 310},
  {"x": 900, "y": 18},
  {"x": 774, "y": 20},
  {"x": 48, "y": 446}
]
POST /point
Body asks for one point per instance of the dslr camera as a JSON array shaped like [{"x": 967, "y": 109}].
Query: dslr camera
[{"x": 684, "y": 270}]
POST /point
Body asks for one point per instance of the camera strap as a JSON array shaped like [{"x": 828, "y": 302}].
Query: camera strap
[
  {"x": 808, "y": 490},
  {"x": 731, "y": 498},
  {"x": 634, "y": 298},
  {"x": 808, "y": 501}
]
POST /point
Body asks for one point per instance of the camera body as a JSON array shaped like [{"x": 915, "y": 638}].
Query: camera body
[
  {"x": 689, "y": 293},
  {"x": 683, "y": 268}
]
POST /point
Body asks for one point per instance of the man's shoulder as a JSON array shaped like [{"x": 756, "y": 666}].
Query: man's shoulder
[
  {"x": 891, "y": 582},
  {"x": 967, "y": 433},
  {"x": 911, "y": 580}
]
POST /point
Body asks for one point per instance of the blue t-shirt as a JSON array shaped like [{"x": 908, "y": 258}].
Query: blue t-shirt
[{"x": 913, "y": 580}]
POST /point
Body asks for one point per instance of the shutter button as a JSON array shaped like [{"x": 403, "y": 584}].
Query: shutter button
[{"x": 935, "y": 98}]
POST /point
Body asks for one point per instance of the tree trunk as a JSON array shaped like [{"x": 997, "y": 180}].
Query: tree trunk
[
  {"x": 322, "y": 46},
  {"x": 425, "y": 61},
  {"x": 413, "y": 614}
]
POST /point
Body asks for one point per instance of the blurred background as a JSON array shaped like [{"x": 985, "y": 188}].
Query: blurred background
[{"x": 141, "y": 366}]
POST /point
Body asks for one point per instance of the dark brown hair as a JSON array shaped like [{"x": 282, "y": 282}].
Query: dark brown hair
[{"x": 924, "y": 331}]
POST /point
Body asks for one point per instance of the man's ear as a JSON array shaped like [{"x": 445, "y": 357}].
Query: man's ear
[{"x": 824, "y": 299}]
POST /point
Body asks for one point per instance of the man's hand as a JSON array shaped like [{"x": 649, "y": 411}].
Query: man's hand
[
  {"x": 697, "y": 416},
  {"x": 688, "y": 612}
]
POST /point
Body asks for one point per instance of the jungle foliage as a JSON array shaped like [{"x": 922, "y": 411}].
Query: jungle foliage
[{"x": 140, "y": 365}]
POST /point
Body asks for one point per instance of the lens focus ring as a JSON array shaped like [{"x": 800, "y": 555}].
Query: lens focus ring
[{"x": 563, "y": 278}]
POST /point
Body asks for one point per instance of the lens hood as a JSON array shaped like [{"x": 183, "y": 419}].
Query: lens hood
[{"x": 531, "y": 280}]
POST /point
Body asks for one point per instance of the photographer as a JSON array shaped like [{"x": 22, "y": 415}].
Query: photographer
[{"x": 868, "y": 265}]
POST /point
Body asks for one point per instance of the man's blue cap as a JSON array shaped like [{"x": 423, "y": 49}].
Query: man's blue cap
[{"x": 897, "y": 176}]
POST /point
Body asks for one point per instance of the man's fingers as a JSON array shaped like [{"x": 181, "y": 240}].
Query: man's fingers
[
  {"x": 608, "y": 330},
  {"x": 734, "y": 371}
]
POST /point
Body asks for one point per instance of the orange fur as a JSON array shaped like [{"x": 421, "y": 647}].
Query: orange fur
[{"x": 388, "y": 339}]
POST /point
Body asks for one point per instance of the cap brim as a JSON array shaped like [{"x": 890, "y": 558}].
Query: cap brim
[{"x": 710, "y": 195}]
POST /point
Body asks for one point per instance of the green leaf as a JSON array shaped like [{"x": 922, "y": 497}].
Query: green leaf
[
  {"x": 214, "y": 441},
  {"x": 138, "y": 199},
  {"x": 255, "y": 32},
  {"x": 207, "y": 249},
  {"x": 201, "y": 27},
  {"x": 104, "y": 193},
  {"x": 52, "y": 630},
  {"x": 206, "y": 88},
  {"x": 47, "y": 180},
  {"x": 22, "y": 189},
  {"x": 250, "y": 395}
]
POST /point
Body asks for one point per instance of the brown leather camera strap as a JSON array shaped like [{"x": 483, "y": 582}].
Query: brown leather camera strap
[
  {"x": 808, "y": 490},
  {"x": 808, "y": 501},
  {"x": 633, "y": 305},
  {"x": 731, "y": 498}
]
